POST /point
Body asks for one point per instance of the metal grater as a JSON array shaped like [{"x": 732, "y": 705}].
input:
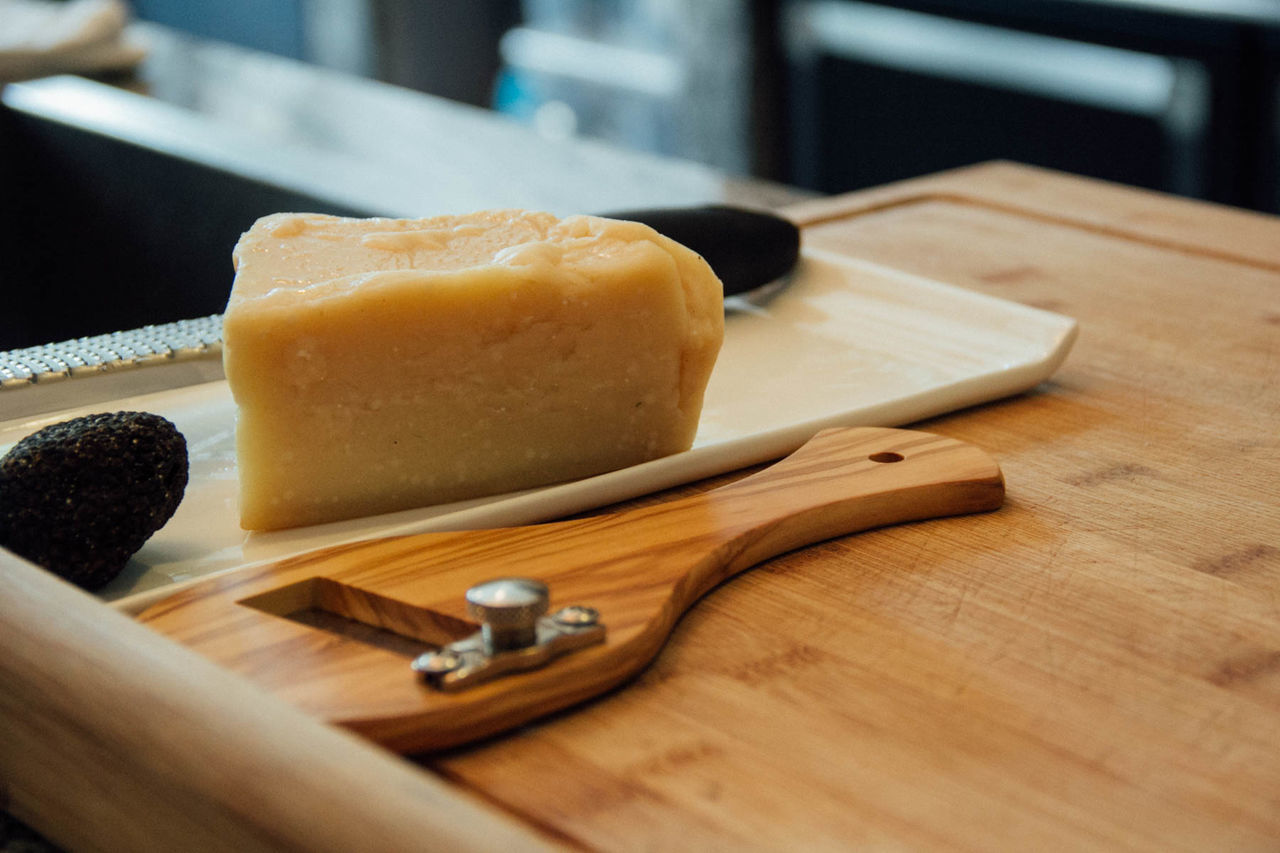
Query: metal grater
[
  {"x": 183, "y": 340},
  {"x": 39, "y": 381}
]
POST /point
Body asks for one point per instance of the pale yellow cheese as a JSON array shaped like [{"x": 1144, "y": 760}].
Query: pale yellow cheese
[{"x": 380, "y": 364}]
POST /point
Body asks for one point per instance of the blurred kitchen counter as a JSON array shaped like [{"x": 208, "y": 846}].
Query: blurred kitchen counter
[{"x": 417, "y": 154}]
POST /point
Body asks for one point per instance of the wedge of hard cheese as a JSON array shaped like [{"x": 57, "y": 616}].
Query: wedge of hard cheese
[{"x": 382, "y": 364}]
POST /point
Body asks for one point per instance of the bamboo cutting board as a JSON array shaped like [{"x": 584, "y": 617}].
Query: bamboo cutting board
[{"x": 1095, "y": 666}]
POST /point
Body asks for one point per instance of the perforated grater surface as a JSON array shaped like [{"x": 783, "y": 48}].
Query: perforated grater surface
[{"x": 149, "y": 358}]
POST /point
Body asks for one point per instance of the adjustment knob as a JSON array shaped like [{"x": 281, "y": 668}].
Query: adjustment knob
[{"x": 508, "y": 610}]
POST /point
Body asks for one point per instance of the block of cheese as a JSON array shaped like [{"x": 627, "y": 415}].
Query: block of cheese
[{"x": 382, "y": 364}]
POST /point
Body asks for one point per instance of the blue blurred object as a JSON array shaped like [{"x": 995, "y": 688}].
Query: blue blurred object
[
  {"x": 275, "y": 26},
  {"x": 649, "y": 75}
]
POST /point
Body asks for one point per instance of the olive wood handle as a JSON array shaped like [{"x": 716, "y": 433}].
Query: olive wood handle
[{"x": 640, "y": 569}]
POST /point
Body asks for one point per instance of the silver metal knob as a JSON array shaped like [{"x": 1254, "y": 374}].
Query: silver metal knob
[{"x": 508, "y": 610}]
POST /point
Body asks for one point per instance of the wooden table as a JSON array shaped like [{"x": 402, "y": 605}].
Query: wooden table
[{"x": 1094, "y": 666}]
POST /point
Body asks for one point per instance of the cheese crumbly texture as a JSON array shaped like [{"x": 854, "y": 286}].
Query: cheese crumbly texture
[{"x": 379, "y": 364}]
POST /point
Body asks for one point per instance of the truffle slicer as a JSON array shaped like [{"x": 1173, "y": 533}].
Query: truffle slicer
[{"x": 339, "y": 632}]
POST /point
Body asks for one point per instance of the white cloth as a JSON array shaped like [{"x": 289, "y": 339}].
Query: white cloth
[{"x": 40, "y": 37}]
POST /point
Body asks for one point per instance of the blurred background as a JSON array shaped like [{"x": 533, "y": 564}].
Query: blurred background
[
  {"x": 224, "y": 111},
  {"x": 830, "y": 95}
]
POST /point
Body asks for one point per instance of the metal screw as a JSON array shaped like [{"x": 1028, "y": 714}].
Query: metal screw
[
  {"x": 508, "y": 610},
  {"x": 577, "y": 616},
  {"x": 437, "y": 663}
]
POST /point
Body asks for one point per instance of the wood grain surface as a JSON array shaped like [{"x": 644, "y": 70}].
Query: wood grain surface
[
  {"x": 640, "y": 569},
  {"x": 1096, "y": 666},
  {"x": 117, "y": 739}
]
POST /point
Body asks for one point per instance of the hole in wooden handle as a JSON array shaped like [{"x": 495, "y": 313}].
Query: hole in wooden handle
[
  {"x": 361, "y": 615},
  {"x": 886, "y": 456}
]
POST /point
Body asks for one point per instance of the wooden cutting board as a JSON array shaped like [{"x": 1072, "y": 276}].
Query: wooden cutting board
[{"x": 1094, "y": 666}]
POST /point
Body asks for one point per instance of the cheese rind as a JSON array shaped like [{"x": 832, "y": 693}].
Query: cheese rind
[{"x": 380, "y": 365}]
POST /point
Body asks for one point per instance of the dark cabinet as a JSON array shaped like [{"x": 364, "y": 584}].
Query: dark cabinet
[{"x": 1177, "y": 97}]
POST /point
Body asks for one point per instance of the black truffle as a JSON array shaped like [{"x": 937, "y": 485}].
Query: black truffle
[{"x": 81, "y": 497}]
